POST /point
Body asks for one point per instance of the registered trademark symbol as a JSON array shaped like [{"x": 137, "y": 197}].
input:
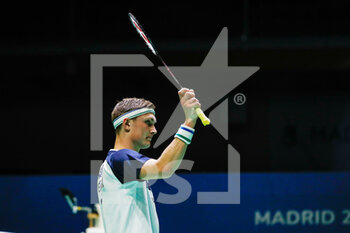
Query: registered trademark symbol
[{"x": 239, "y": 99}]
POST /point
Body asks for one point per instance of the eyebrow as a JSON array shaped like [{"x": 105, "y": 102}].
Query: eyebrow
[{"x": 151, "y": 119}]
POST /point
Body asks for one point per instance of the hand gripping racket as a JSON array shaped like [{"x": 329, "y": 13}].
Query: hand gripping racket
[{"x": 205, "y": 120}]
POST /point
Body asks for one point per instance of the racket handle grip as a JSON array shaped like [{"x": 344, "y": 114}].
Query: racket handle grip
[{"x": 205, "y": 120}]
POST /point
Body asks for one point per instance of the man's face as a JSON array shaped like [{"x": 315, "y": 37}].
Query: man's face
[{"x": 143, "y": 129}]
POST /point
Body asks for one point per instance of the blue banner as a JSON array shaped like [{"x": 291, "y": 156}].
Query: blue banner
[{"x": 269, "y": 202}]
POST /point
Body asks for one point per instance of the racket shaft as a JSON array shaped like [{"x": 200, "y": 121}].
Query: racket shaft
[
  {"x": 205, "y": 120},
  {"x": 171, "y": 73}
]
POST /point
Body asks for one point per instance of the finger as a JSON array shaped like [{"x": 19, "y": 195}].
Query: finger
[
  {"x": 185, "y": 90},
  {"x": 197, "y": 105},
  {"x": 193, "y": 103},
  {"x": 189, "y": 95},
  {"x": 182, "y": 92},
  {"x": 192, "y": 100}
]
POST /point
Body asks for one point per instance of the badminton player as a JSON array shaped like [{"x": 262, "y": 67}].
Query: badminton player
[{"x": 127, "y": 203}]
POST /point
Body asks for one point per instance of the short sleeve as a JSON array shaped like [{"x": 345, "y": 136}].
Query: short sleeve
[{"x": 126, "y": 164}]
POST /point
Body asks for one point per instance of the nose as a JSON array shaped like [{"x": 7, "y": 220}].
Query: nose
[{"x": 153, "y": 130}]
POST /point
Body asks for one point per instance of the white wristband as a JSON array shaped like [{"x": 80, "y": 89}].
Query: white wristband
[{"x": 185, "y": 134}]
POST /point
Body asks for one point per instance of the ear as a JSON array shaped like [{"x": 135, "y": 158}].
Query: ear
[{"x": 127, "y": 124}]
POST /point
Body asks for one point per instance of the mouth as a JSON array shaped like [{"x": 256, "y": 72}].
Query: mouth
[{"x": 149, "y": 138}]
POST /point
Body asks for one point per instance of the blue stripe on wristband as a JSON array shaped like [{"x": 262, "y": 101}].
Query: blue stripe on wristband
[
  {"x": 187, "y": 129},
  {"x": 185, "y": 134}
]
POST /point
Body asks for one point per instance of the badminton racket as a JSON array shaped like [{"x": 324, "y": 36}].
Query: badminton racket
[{"x": 205, "y": 120}]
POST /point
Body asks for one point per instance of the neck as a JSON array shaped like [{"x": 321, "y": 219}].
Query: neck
[{"x": 124, "y": 143}]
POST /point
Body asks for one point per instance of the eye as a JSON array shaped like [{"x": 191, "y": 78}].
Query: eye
[{"x": 150, "y": 121}]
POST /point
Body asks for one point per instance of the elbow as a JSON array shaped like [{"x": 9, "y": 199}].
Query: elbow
[
  {"x": 166, "y": 169},
  {"x": 168, "y": 175},
  {"x": 166, "y": 172}
]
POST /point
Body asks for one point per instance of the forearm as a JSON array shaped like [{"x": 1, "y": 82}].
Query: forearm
[{"x": 172, "y": 156}]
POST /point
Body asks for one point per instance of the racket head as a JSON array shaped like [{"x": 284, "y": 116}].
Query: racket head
[{"x": 142, "y": 33}]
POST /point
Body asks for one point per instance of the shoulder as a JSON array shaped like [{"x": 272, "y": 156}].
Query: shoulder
[
  {"x": 126, "y": 164},
  {"x": 125, "y": 155}
]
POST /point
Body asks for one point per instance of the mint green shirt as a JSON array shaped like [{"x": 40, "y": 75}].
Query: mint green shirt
[{"x": 127, "y": 204}]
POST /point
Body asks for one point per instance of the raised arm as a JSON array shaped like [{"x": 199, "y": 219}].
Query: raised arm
[{"x": 171, "y": 158}]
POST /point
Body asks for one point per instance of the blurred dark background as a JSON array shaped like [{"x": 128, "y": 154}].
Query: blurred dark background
[{"x": 297, "y": 113}]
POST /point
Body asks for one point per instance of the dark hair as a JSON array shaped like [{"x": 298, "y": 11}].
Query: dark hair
[{"x": 128, "y": 104}]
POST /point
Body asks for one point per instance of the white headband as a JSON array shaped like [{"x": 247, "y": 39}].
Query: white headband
[{"x": 130, "y": 115}]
